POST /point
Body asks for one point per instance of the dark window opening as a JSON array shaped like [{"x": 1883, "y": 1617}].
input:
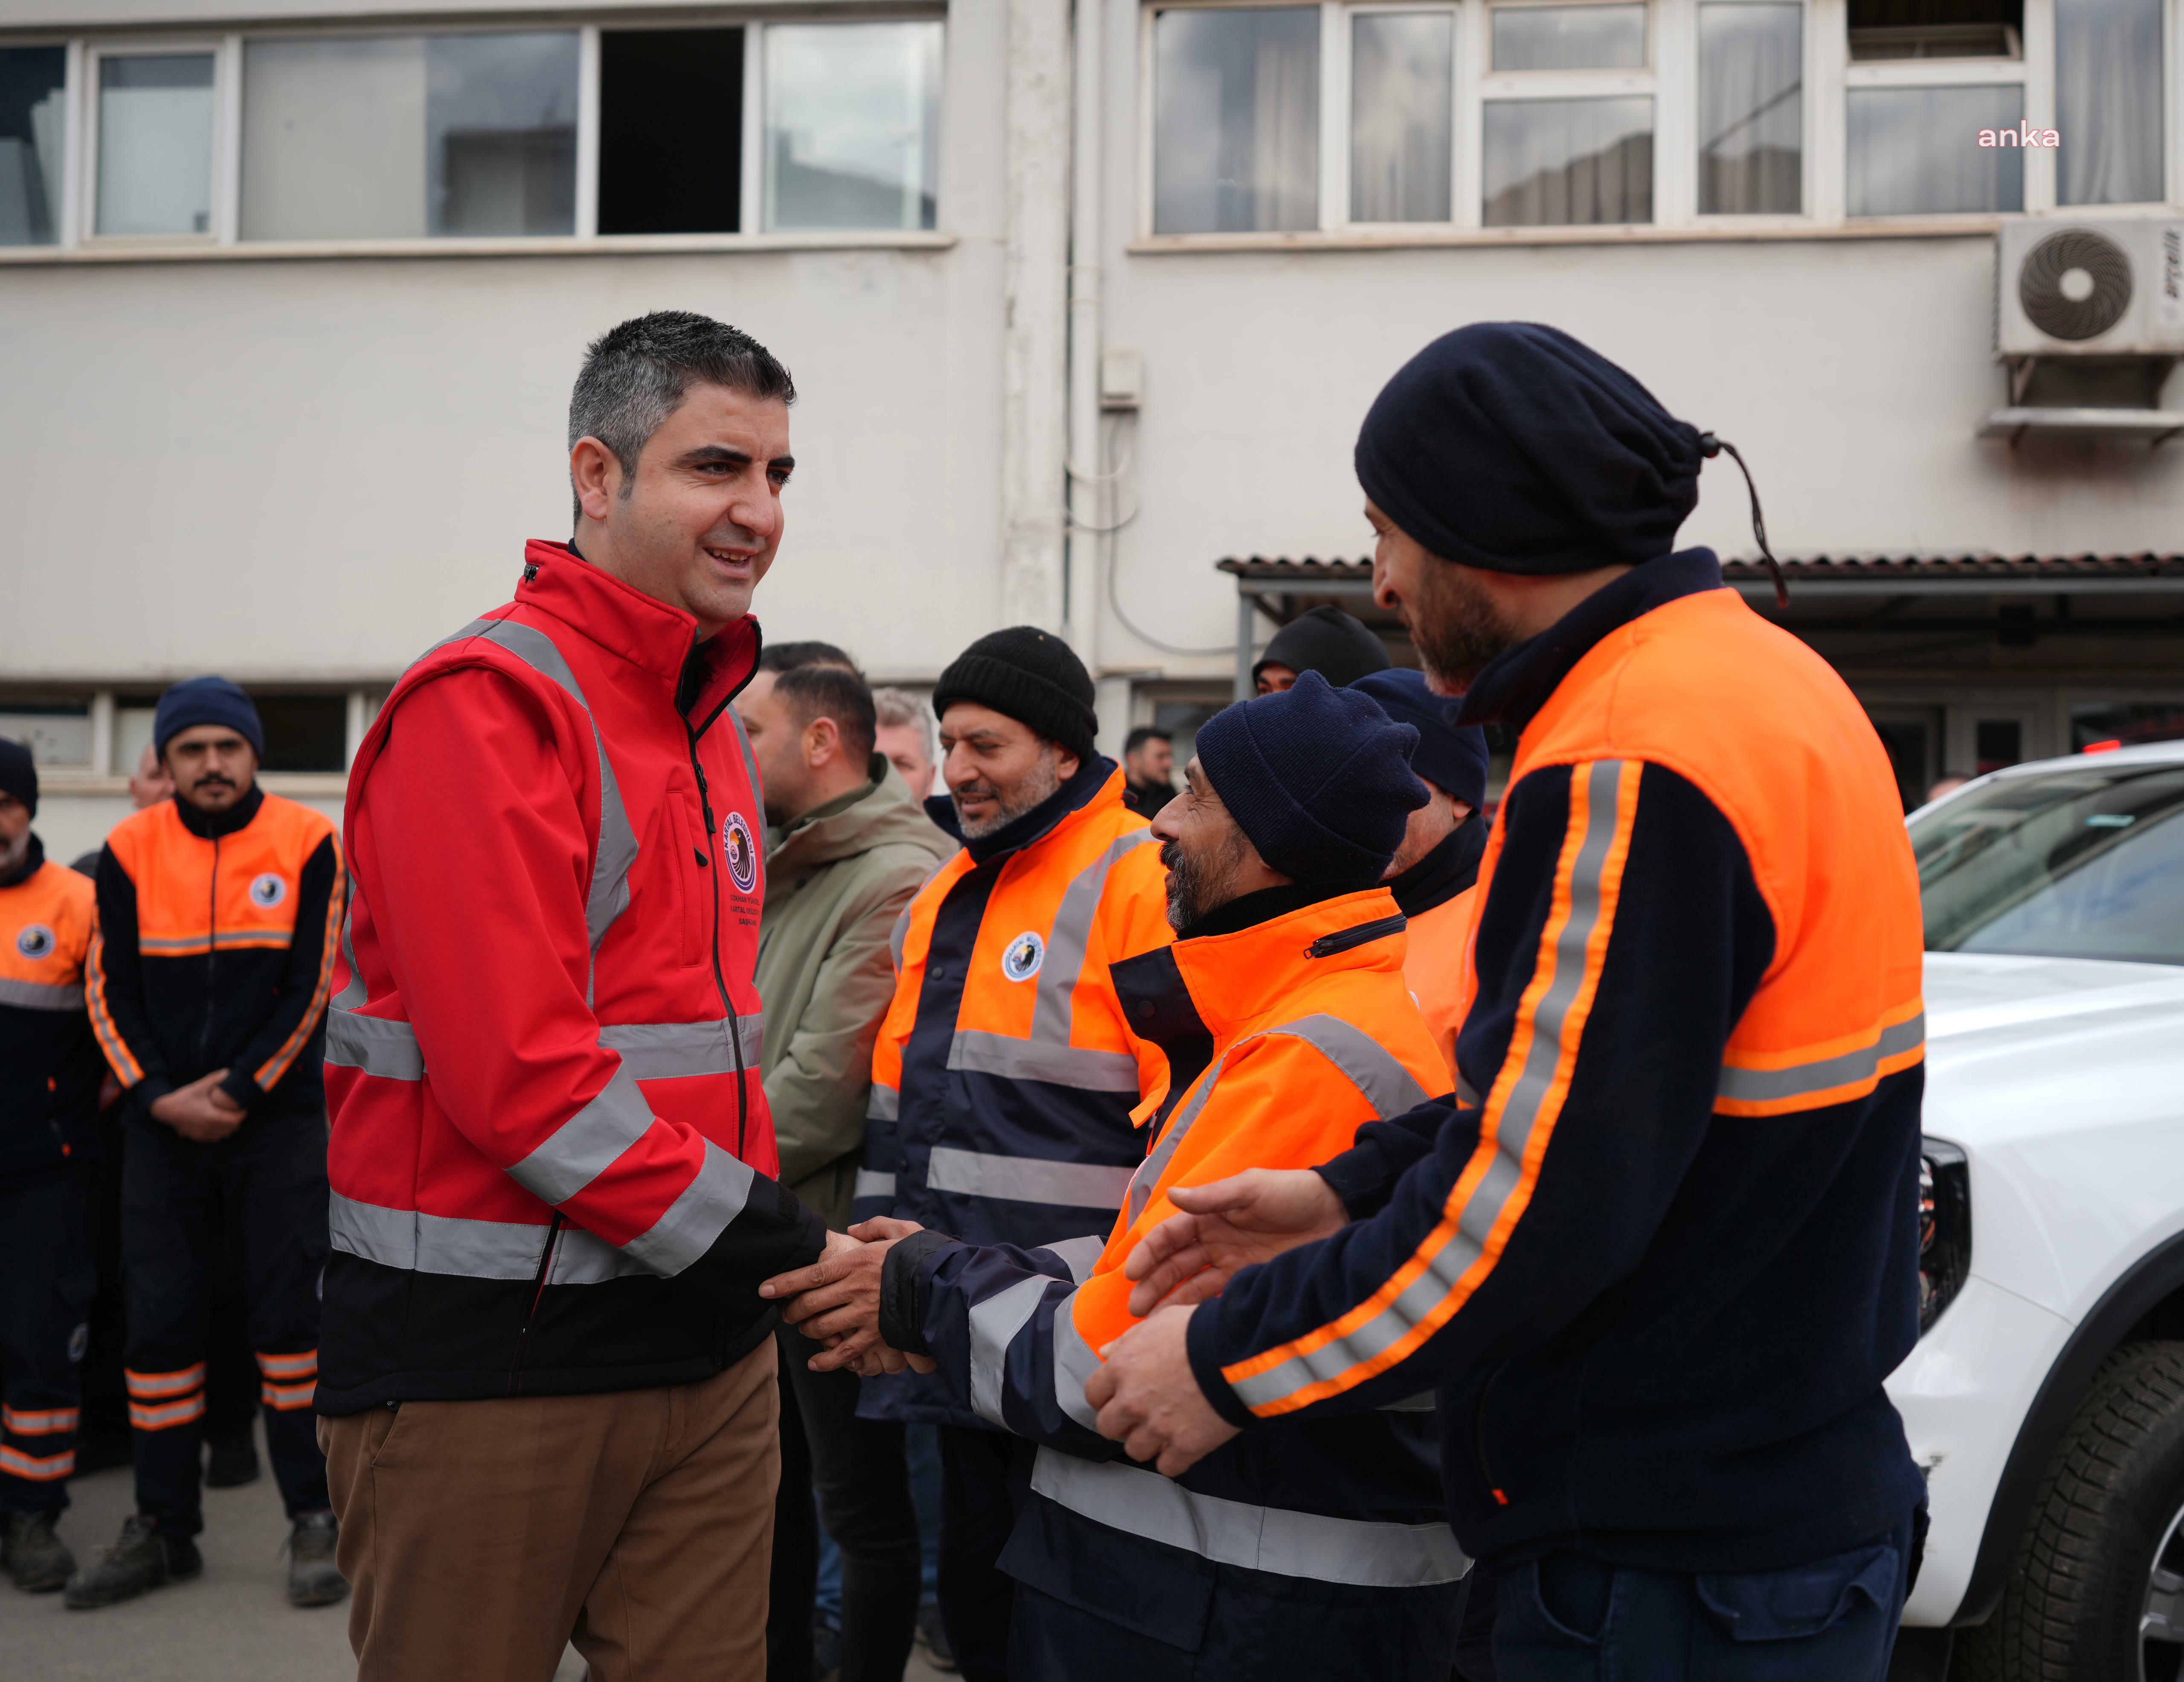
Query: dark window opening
[
  {"x": 1996, "y": 743},
  {"x": 670, "y": 130},
  {"x": 1937, "y": 29},
  {"x": 304, "y": 732}
]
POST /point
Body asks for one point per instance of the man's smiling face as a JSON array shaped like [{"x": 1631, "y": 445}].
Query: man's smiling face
[{"x": 701, "y": 521}]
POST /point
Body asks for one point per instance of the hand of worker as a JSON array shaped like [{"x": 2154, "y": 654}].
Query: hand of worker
[
  {"x": 836, "y": 1301},
  {"x": 200, "y": 1112},
  {"x": 1225, "y": 1228},
  {"x": 1149, "y": 1398}
]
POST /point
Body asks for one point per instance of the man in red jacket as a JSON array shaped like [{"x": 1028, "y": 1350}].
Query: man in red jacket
[{"x": 547, "y": 1378}]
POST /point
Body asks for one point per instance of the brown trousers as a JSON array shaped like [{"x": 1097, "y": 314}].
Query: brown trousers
[{"x": 482, "y": 1537}]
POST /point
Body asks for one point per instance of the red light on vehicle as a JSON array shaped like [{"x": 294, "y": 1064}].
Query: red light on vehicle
[{"x": 2108, "y": 747}]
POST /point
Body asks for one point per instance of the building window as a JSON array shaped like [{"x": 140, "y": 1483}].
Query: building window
[
  {"x": 671, "y": 140},
  {"x": 57, "y": 732},
  {"x": 2108, "y": 101},
  {"x": 852, "y": 124},
  {"x": 33, "y": 127},
  {"x": 1402, "y": 110},
  {"x": 304, "y": 732},
  {"x": 1236, "y": 120},
  {"x": 1751, "y": 108},
  {"x": 155, "y": 143},
  {"x": 402, "y": 136},
  {"x": 1548, "y": 159},
  {"x": 1911, "y": 151},
  {"x": 1569, "y": 37}
]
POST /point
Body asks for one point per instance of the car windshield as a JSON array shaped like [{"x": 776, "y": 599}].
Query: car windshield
[{"x": 2074, "y": 863}]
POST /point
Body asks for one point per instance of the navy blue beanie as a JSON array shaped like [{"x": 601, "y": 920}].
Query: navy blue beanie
[
  {"x": 1319, "y": 778},
  {"x": 1451, "y": 757},
  {"x": 19, "y": 774},
  {"x": 206, "y": 701},
  {"x": 1512, "y": 447}
]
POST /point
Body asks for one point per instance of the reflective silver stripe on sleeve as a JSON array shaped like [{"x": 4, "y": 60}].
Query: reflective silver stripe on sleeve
[
  {"x": 1513, "y": 1134},
  {"x": 696, "y": 1221},
  {"x": 377, "y": 1045},
  {"x": 353, "y": 995},
  {"x": 1059, "y": 1063},
  {"x": 42, "y": 995},
  {"x": 899, "y": 936},
  {"x": 871, "y": 1185},
  {"x": 1075, "y": 1362},
  {"x": 584, "y": 1146},
  {"x": 1758, "y": 1085},
  {"x": 666, "y": 1051},
  {"x": 1079, "y": 1255},
  {"x": 885, "y": 1103},
  {"x": 995, "y": 1324},
  {"x": 1272, "y": 1538},
  {"x": 1027, "y": 1179}
]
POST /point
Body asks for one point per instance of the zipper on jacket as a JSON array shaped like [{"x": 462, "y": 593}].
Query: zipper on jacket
[
  {"x": 720, "y": 981},
  {"x": 537, "y": 1294},
  {"x": 212, "y": 949},
  {"x": 1343, "y": 940}
]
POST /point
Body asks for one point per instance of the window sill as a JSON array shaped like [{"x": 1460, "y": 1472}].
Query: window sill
[
  {"x": 1391, "y": 239},
  {"x": 604, "y": 245}
]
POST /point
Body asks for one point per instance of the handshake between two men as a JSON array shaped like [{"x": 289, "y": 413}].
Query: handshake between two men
[{"x": 1143, "y": 1392}]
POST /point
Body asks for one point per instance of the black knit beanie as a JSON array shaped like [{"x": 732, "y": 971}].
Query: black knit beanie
[
  {"x": 1319, "y": 779},
  {"x": 19, "y": 774},
  {"x": 1512, "y": 447},
  {"x": 1451, "y": 757},
  {"x": 1029, "y": 675},
  {"x": 1329, "y": 641}
]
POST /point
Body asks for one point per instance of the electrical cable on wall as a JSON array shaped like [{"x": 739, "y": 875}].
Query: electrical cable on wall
[{"x": 1105, "y": 534}]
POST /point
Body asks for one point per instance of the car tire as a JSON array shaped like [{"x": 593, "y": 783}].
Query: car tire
[{"x": 2112, "y": 1501}]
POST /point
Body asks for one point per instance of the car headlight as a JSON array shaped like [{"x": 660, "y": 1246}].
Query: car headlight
[{"x": 1945, "y": 1228}]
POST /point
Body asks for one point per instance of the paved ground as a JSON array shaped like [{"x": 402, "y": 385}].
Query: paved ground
[{"x": 232, "y": 1624}]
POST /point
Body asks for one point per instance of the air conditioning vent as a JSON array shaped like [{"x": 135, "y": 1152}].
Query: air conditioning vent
[{"x": 2075, "y": 284}]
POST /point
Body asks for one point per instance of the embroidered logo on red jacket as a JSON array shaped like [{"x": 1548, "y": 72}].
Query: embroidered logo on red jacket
[{"x": 742, "y": 850}]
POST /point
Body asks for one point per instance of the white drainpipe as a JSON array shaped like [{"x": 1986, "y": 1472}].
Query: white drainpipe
[{"x": 1088, "y": 505}]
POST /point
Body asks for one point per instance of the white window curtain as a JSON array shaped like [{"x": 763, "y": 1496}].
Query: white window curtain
[
  {"x": 1751, "y": 108},
  {"x": 1402, "y": 105},
  {"x": 1553, "y": 162},
  {"x": 2108, "y": 101},
  {"x": 1914, "y": 150},
  {"x": 1236, "y": 123}
]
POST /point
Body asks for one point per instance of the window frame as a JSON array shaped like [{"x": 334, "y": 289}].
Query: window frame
[{"x": 77, "y": 225}]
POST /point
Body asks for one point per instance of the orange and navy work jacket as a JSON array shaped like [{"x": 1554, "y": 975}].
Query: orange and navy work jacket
[
  {"x": 216, "y": 951},
  {"x": 1658, "y": 1251},
  {"x": 1006, "y": 1072},
  {"x": 1288, "y": 1025},
  {"x": 1439, "y": 895},
  {"x": 50, "y": 1068}
]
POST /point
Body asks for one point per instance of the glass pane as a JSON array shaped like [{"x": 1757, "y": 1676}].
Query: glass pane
[
  {"x": 1555, "y": 161},
  {"x": 2073, "y": 864},
  {"x": 31, "y": 128},
  {"x": 57, "y": 734},
  {"x": 852, "y": 125},
  {"x": 1236, "y": 120},
  {"x": 2108, "y": 101},
  {"x": 1751, "y": 108},
  {"x": 1914, "y": 150},
  {"x": 155, "y": 144},
  {"x": 500, "y": 133},
  {"x": 670, "y": 130},
  {"x": 333, "y": 139},
  {"x": 1402, "y": 102},
  {"x": 1884, "y": 30},
  {"x": 1569, "y": 37},
  {"x": 2100, "y": 727}
]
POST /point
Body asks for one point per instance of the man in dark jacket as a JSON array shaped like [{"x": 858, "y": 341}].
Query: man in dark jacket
[
  {"x": 219, "y": 912},
  {"x": 49, "y": 1077},
  {"x": 1148, "y": 766},
  {"x": 1326, "y": 640}
]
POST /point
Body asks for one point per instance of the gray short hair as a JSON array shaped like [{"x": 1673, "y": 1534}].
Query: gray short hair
[
  {"x": 900, "y": 706},
  {"x": 635, "y": 375}
]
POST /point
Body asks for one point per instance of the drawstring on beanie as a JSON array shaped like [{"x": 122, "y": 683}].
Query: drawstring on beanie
[{"x": 1710, "y": 446}]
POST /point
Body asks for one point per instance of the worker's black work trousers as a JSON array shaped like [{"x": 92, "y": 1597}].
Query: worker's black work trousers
[
  {"x": 262, "y": 1190},
  {"x": 985, "y": 1478},
  {"x": 46, "y": 1283}
]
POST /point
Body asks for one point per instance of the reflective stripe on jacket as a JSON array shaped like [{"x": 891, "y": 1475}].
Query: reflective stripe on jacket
[
  {"x": 50, "y": 1068},
  {"x": 1286, "y": 1035},
  {"x": 1659, "y": 1249},
  {"x": 1005, "y": 1076},
  {"x": 544, "y": 1054}
]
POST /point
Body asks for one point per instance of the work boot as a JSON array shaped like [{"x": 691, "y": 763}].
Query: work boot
[
  {"x": 935, "y": 1634},
  {"x": 314, "y": 1579},
  {"x": 38, "y": 1559},
  {"x": 231, "y": 1463},
  {"x": 141, "y": 1559}
]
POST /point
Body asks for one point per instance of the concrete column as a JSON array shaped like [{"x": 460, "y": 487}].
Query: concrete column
[
  {"x": 1091, "y": 508},
  {"x": 1034, "y": 361}
]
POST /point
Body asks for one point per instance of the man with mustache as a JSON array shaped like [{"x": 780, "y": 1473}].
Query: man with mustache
[
  {"x": 1006, "y": 1071},
  {"x": 219, "y": 912}
]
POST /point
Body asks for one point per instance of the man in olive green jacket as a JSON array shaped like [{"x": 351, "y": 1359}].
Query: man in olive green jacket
[{"x": 850, "y": 847}]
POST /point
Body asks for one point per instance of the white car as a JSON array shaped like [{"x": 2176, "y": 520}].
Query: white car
[{"x": 2045, "y": 1399}]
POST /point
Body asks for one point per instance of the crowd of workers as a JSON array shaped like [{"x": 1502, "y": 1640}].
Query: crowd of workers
[{"x": 1330, "y": 1223}]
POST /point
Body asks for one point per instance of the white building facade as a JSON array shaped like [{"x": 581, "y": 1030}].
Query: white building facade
[{"x": 1079, "y": 304}]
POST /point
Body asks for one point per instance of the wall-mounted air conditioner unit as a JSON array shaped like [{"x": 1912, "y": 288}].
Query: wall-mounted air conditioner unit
[{"x": 2090, "y": 289}]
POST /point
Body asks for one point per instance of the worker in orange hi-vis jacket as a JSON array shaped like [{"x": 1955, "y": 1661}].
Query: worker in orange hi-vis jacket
[{"x": 219, "y": 913}]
